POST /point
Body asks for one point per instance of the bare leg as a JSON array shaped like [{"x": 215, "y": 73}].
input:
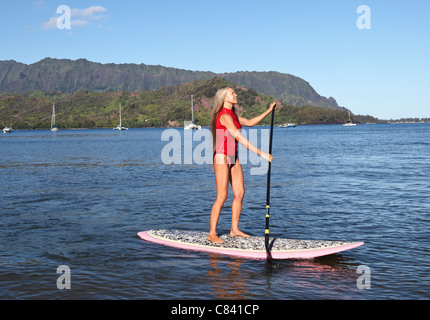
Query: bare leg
[
  {"x": 236, "y": 180},
  {"x": 222, "y": 173}
]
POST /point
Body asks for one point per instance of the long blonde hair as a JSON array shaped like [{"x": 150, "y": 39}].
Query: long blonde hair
[{"x": 218, "y": 104}]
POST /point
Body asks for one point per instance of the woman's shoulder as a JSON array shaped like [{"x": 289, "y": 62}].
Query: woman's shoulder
[
  {"x": 222, "y": 112},
  {"x": 225, "y": 111},
  {"x": 225, "y": 115}
]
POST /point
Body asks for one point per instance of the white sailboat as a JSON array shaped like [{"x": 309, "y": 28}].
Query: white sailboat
[
  {"x": 287, "y": 125},
  {"x": 349, "y": 123},
  {"x": 120, "y": 127},
  {"x": 53, "y": 127},
  {"x": 190, "y": 125},
  {"x": 7, "y": 130}
]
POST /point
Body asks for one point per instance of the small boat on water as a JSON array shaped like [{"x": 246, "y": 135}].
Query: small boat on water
[
  {"x": 120, "y": 127},
  {"x": 287, "y": 125},
  {"x": 53, "y": 127},
  {"x": 7, "y": 130},
  {"x": 190, "y": 125},
  {"x": 349, "y": 123}
]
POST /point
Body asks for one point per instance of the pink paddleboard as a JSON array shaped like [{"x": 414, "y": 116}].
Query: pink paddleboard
[{"x": 251, "y": 248}]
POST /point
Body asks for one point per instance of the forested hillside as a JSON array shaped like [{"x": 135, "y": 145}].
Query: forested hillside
[{"x": 168, "y": 106}]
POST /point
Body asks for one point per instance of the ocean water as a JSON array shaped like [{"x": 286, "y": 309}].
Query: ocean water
[{"x": 77, "y": 198}]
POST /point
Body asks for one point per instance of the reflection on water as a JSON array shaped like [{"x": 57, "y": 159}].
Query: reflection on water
[{"x": 230, "y": 280}]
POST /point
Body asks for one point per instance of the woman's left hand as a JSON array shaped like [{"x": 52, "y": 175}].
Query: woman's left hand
[{"x": 272, "y": 106}]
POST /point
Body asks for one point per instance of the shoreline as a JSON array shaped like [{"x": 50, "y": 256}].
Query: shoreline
[{"x": 206, "y": 127}]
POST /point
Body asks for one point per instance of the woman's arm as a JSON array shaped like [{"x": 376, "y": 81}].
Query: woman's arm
[
  {"x": 227, "y": 121},
  {"x": 252, "y": 122}
]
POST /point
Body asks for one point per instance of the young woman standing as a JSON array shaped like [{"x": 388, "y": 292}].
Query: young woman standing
[{"x": 226, "y": 128}]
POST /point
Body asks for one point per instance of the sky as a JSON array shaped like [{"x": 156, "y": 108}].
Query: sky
[{"x": 374, "y": 60}]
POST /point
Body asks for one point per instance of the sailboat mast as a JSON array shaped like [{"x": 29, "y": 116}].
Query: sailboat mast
[
  {"x": 53, "y": 116},
  {"x": 192, "y": 108},
  {"x": 120, "y": 122}
]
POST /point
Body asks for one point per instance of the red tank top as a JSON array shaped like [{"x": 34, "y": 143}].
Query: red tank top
[{"x": 226, "y": 144}]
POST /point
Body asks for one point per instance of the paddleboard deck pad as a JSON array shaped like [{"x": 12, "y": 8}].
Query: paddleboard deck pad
[{"x": 252, "y": 247}]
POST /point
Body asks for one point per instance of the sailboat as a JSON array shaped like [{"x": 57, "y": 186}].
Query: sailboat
[
  {"x": 7, "y": 130},
  {"x": 190, "y": 125},
  {"x": 349, "y": 123},
  {"x": 120, "y": 127},
  {"x": 53, "y": 127},
  {"x": 287, "y": 125}
]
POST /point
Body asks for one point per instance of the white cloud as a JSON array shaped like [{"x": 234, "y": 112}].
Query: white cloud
[
  {"x": 51, "y": 24},
  {"x": 79, "y": 17},
  {"x": 90, "y": 12}
]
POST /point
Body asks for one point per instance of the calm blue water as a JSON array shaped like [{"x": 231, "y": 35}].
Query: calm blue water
[{"x": 78, "y": 198}]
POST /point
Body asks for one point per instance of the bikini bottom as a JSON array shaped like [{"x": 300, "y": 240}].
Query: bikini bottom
[{"x": 231, "y": 160}]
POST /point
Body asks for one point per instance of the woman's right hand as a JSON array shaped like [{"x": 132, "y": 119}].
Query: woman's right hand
[{"x": 266, "y": 156}]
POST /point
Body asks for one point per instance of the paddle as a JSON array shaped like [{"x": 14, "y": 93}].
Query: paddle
[{"x": 266, "y": 237}]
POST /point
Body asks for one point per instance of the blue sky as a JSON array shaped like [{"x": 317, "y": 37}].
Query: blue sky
[{"x": 383, "y": 71}]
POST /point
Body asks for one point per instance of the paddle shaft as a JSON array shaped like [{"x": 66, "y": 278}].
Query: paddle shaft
[{"x": 266, "y": 238}]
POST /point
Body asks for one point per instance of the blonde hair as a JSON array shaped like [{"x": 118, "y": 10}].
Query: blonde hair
[{"x": 218, "y": 104}]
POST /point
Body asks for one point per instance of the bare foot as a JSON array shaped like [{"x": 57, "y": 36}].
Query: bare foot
[
  {"x": 214, "y": 238},
  {"x": 239, "y": 233}
]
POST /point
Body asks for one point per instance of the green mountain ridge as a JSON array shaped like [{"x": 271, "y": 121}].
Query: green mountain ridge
[{"x": 70, "y": 76}]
